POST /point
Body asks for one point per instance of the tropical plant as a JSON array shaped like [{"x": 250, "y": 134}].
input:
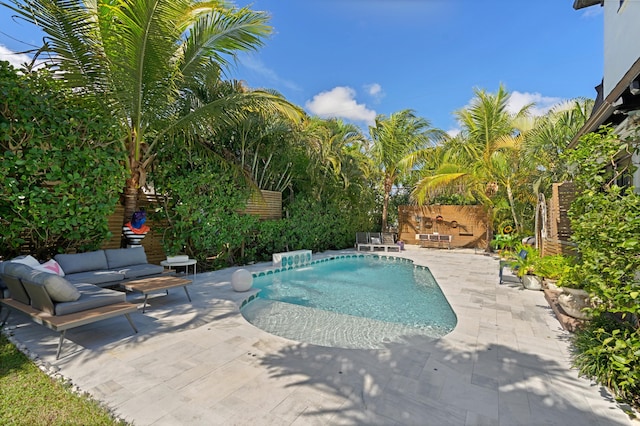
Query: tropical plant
[
  {"x": 483, "y": 160},
  {"x": 526, "y": 262},
  {"x": 142, "y": 59},
  {"x": 553, "y": 266},
  {"x": 60, "y": 169},
  {"x": 399, "y": 143},
  {"x": 606, "y": 230}
]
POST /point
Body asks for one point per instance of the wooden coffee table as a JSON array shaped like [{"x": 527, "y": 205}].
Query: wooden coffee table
[{"x": 153, "y": 284}]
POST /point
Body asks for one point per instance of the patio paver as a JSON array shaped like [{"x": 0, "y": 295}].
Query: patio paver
[{"x": 506, "y": 363}]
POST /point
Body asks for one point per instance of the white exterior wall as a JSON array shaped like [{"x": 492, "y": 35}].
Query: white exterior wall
[{"x": 621, "y": 40}]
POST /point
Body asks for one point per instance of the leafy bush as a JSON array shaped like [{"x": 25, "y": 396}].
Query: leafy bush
[
  {"x": 203, "y": 207},
  {"x": 609, "y": 351},
  {"x": 606, "y": 228},
  {"x": 60, "y": 170},
  {"x": 552, "y": 267}
]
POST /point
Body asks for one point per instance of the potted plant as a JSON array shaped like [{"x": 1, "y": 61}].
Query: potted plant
[
  {"x": 525, "y": 267},
  {"x": 574, "y": 299}
]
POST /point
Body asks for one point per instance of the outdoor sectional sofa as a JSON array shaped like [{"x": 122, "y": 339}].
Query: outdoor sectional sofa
[
  {"x": 107, "y": 268},
  {"x": 61, "y": 303}
]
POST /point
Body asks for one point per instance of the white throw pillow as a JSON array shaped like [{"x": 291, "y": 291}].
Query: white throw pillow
[
  {"x": 27, "y": 260},
  {"x": 51, "y": 267}
]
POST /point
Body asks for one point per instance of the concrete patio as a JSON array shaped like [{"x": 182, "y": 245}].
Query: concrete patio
[{"x": 506, "y": 363}]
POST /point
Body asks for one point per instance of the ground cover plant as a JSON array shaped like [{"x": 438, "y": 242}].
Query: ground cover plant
[{"x": 29, "y": 396}]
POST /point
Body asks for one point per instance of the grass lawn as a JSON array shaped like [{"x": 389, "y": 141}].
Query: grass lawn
[{"x": 28, "y": 396}]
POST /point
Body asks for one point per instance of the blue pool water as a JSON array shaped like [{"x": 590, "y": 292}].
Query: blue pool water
[{"x": 374, "y": 299}]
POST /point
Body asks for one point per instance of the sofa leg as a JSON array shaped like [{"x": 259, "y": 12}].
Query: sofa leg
[
  {"x": 131, "y": 322},
  {"x": 6, "y": 317},
  {"x": 60, "y": 343}
]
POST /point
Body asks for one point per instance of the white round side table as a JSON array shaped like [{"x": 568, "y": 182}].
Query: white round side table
[{"x": 185, "y": 263}]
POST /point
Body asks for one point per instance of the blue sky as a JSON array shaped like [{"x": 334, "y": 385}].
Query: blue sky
[{"x": 354, "y": 59}]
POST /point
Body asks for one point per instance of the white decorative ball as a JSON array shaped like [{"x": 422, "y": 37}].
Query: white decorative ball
[{"x": 241, "y": 280}]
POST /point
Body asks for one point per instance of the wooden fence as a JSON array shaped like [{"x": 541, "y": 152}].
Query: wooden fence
[
  {"x": 557, "y": 240},
  {"x": 269, "y": 206},
  {"x": 466, "y": 224}
]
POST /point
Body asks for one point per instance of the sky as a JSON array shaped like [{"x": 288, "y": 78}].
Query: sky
[{"x": 357, "y": 59}]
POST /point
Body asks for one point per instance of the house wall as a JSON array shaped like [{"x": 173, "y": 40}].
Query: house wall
[
  {"x": 621, "y": 33},
  {"x": 467, "y": 224}
]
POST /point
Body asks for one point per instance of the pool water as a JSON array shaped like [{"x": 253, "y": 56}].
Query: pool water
[{"x": 349, "y": 301}]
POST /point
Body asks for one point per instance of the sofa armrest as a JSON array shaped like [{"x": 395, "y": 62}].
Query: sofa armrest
[{"x": 39, "y": 297}]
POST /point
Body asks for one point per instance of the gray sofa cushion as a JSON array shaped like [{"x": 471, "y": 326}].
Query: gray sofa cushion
[
  {"x": 18, "y": 270},
  {"x": 141, "y": 270},
  {"x": 13, "y": 272},
  {"x": 96, "y": 277},
  {"x": 90, "y": 297},
  {"x": 81, "y": 262},
  {"x": 118, "y": 258},
  {"x": 59, "y": 289}
]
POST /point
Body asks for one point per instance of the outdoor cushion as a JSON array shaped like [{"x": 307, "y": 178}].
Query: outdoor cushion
[
  {"x": 95, "y": 277},
  {"x": 59, "y": 289},
  {"x": 117, "y": 258},
  {"x": 90, "y": 297},
  {"x": 81, "y": 262},
  {"x": 12, "y": 280},
  {"x": 26, "y": 260},
  {"x": 50, "y": 266},
  {"x": 134, "y": 271},
  {"x": 18, "y": 270}
]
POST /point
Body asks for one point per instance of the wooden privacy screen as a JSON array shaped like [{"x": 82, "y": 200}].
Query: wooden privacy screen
[
  {"x": 269, "y": 206},
  {"x": 466, "y": 224},
  {"x": 557, "y": 240}
]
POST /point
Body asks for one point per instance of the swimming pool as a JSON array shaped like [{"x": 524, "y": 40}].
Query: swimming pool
[{"x": 359, "y": 301}]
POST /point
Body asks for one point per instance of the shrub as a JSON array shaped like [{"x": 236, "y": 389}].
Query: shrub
[
  {"x": 60, "y": 170},
  {"x": 608, "y": 351}
]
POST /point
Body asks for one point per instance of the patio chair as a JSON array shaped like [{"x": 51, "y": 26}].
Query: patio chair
[
  {"x": 362, "y": 240},
  {"x": 522, "y": 254}
]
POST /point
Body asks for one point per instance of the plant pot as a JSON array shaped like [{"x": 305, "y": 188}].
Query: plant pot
[
  {"x": 550, "y": 284},
  {"x": 532, "y": 282},
  {"x": 573, "y": 301}
]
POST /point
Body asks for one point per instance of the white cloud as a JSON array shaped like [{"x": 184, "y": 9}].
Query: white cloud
[
  {"x": 453, "y": 132},
  {"x": 15, "y": 59},
  {"x": 257, "y": 66},
  {"x": 375, "y": 91},
  {"x": 542, "y": 104},
  {"x": 340, "y": 102}
]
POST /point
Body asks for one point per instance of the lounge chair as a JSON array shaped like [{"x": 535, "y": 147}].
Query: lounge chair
[{"x": 362, "y": 241}]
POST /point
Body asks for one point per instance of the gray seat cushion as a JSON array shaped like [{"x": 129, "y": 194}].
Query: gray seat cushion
[
  {"x": 95, "y": 277},
  {"x": 90, "y": 297},
  {"x": 119, "y": 258},
  {"x": 81, "y": 262},
  {"x": 134, "y": 271}
]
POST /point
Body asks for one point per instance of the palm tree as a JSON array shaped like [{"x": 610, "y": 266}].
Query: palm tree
[
  {"x": 544, "y": 145},
  {"x": 484, "y": 157},
  {"x": 331, "y": 146},
  {"x": 395, "y": 141},
  {"x": 139, "y": 58}
]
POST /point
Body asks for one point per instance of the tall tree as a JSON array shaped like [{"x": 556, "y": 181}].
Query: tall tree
[
  {"x": 140, "y": 57},
  {"x": 484, "y": 157},
  {"x": 395, "y": 140}
]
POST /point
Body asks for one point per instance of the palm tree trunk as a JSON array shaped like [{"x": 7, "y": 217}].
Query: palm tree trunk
[
  {"x": 130, "y": 200},
  {"x": 388, "y": 183},
  {"x": 511, "y": 204}
]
